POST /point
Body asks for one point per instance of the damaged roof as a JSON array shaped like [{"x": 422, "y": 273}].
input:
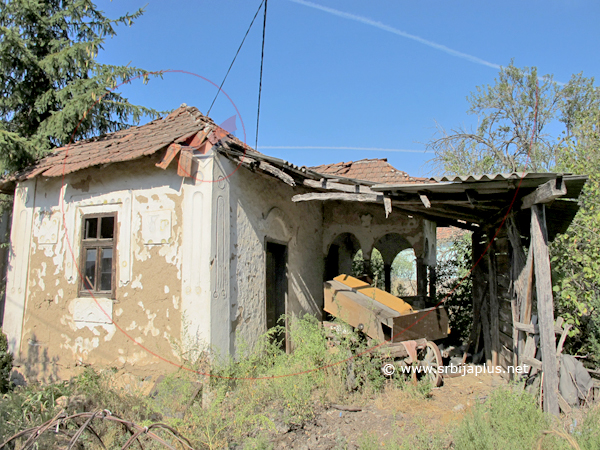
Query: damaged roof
[
  {"x": 374, "y": 170},
  {"x": 178, "y": 127}
]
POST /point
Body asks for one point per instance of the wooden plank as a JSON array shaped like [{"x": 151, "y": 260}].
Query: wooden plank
[
  {"x": 505, "y": 340},
  {"x": 506, "y": 327},
  {"x": 324, "y": 196},
  {"x": 545, "y": 193},
  {"x": 505, "y": 315},
  {"x": 517, "y": 262},
  {"x": 170, "y": 154},
  {"x": 524, "y": 292},
  {"x": 424, "y": 200},
  {"x": 478, "y": 296},
  {"x": 563, "y": 337},
  {"x": 430, "y": 323},
  {"x": 494, "y": 307},
  {"x": 480, "y": 284},
  {"x": 332, "y": 185},
  {"x": 534, "y": 329},
  {"x": 184, "y": 168},
  {"x": 545, "y": 307},
  {"x": 277, "y": 173},
  {"x": 532, "y": 362}
]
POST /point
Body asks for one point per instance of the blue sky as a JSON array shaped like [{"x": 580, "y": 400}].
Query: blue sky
[{"x": 349, "y": 74}]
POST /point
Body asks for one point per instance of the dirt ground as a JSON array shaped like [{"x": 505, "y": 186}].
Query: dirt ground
[{"x": 390, "y": 415}]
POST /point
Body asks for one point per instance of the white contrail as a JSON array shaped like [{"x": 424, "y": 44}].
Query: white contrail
[
  {"x": 370, "y": 149},
  {"x": 384, "y": 27}
]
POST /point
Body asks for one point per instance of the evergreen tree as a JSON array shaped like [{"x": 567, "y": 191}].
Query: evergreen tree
[{"x": 53, "y": 89}]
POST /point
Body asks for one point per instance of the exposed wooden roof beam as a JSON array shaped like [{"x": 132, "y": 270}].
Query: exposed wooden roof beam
[{"x": 545, "y": 193}]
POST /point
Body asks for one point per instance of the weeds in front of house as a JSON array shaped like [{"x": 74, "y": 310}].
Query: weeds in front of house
[
  {"x": 268, "y": 391},
  {"x": 513, "y": 416}
]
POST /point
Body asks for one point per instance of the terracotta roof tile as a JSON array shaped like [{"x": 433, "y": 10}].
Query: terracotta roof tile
[
  {"x": 375, "y": 170},
  {"x": 123, "y": 145}
]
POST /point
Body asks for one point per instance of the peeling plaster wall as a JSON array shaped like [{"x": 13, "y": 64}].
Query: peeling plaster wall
[
  {"x": 52, "y": 328},
  {"x": 260, "y": 208},
  {"x": 367, "y": 222}
]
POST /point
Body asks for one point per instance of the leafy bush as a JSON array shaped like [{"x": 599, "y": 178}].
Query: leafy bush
[
  {"x": 575, "y": 254},
  {"x": 6, "y": 360},
  {"x": 455, "y": 286},
  {"x": 510, "y": 416}
]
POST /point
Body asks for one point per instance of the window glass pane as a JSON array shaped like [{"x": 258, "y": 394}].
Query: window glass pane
[
  {"x": 90, "y": 268},
  {"x": 91, "y": 228},
  {"x": 106, "y": 269},
  {"x": 107, "y": 228}
]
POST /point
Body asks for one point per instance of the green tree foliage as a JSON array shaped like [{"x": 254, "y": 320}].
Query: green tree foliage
[
  {"x": 455, "y": 286},
  {"x": 506, "y": 113},
  {"x": 6, "y": 360},
  {"x": 576, "y": 254},
  {"x": 566, "y": 139},
  {"x": 404, "y": 270},
  {"x": 51, "y": 82},
  {"x": 376, "y": 266}
]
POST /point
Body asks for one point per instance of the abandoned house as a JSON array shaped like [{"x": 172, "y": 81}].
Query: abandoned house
[{"x": 132, "y": 248}]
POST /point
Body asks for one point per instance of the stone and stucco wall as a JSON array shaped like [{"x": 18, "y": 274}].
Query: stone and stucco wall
[
  {"x": 51, "y": 327},
  {"x": 260, "y": 209},
  {"x": 368, "y": 224}
]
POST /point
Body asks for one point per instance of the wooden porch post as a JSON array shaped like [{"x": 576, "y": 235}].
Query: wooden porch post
[
  {"x": 387, "y": 271},
  {"x": 432, "y": 283},
  {"x": 480, "y": 305},
  {"x": 543, "y": 282},
  {"x": 421, "y": 278}
]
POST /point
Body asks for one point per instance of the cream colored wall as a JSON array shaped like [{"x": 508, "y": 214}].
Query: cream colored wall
[
  {"x": 161, "y": 220},
  {"x": 260, "y": 208}
]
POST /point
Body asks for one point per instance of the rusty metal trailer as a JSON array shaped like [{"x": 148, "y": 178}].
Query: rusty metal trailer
[{"x": 404, "y": 333}]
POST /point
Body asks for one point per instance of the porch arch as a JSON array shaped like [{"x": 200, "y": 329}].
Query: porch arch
[
  {"x": 390, "y": 245},
  {"x": 340, "y": 254}
]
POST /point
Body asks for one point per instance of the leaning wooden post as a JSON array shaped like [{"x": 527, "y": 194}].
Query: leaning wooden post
[
  {"x": 494, "y": 305},
  {"x": 545, "y": 306}
]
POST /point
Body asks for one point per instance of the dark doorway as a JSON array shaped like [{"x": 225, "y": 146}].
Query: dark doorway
[{"x": 277, "y": 285}]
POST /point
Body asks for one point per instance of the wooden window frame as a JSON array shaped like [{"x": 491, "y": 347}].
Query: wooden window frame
[{"x": 98, "y": 244}]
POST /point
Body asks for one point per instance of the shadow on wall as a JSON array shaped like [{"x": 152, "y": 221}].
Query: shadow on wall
[
  {"x": 38, "y": 365},
  {"x": 306, "y": 299}
]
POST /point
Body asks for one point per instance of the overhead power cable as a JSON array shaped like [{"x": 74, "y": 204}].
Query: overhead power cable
[
  {"x": 236, "y": 54},
  {"x": 262, "y": 57}
]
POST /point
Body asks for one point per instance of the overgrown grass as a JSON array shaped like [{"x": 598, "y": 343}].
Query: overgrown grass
[
  {"x": 266, "y": 390},
  {"x": 512, "y": 416}
]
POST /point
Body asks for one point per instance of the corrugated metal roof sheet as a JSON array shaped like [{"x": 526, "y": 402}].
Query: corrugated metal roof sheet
[{"x": 497, "y": 176}]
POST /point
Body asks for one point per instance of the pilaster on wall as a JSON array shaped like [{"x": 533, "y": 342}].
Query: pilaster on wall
[
  {"x": 18, "y": 264},
  {"x": 196, "y": 282},
  {"x": 219, "y": 255}
]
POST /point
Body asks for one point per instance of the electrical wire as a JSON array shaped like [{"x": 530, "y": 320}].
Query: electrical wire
[
  {"x": 262, "y": 57},
  {"x": 236, "y": 54}
]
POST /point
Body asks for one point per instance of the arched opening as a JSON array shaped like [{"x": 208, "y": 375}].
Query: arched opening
[
  {"x": 340, "y": 255},
  {"x": 389, "y": 246},
  {"x": 404, "y": 274}
]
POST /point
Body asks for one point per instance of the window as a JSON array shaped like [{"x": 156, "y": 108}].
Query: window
[{"x": 98, "y": 248}]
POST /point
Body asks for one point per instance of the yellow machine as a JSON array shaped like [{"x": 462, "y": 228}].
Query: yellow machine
[{"x": 379, "y": 314}]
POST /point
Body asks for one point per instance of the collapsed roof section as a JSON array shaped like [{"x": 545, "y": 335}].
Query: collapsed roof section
[{"x": 375, "y": 170}]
